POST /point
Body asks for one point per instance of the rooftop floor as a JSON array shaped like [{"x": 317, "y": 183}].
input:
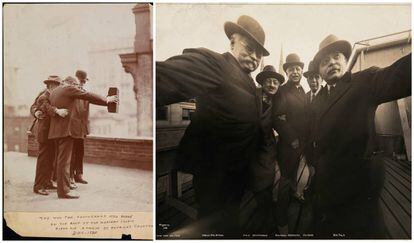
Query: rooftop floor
[{"x": 109, "y": 189}]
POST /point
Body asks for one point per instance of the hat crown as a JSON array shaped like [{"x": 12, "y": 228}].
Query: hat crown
[
  {"x": 311, "y": 66},
  {"x": 327, "y": 41},
  {"x": 253, "y": 27},
  {"x": 292, "y": 58},
  {"x": 70, "y": 80},
  {"x": 53, "y": 78},
  {"x": 269, "y": 68}
]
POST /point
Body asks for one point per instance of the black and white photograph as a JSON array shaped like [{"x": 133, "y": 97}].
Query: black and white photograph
[
  {"x": 78, "y": 120},
  {"x": 283, "y": 121}
]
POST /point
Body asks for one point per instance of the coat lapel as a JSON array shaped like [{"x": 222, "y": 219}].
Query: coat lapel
[
  {"x": 295, "y": 92},
  {"x": 341, "y": 88}
]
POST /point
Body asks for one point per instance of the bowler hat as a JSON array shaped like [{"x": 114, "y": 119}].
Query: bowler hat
[
  {"x": 332, "y": 43},
  {"x": 269, "y": 72},
  {"x": 70, "y": 80},
  {"x": 311, "y": 70},
  {"x": 81, "y": 74},
  {"x": 53, "y": 79},
  {"x": 292, "y": 59},
  {"x": 247, "y": 26}
]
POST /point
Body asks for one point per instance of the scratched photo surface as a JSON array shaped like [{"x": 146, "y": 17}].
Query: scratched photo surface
[
  {"x": 114, "y": 168},
  {"x": 379, "y": 35}
]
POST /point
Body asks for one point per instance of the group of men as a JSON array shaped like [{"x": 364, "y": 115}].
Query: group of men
[
  {"x": 230, "y": 147},
  {"x": 61, "y": 123}
]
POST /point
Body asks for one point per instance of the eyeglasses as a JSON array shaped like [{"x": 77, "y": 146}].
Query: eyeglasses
[{"x": 250, "y": 50}]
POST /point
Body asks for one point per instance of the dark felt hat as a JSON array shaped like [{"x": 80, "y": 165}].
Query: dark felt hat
[
  {"x": 53, "y": 79},
  {"x": 81, "y": 74},
  {"x": 329, "y": 44},
  {"x": 247, "y": 26},
  {"x": 311, "y": 70},
  {"x": 269, "y": 72},
  {"x": 292, "y": 59}
]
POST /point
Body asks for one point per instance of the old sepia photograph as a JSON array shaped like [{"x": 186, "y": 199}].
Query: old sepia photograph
[
  {"x": 283, "y": 121},
  {"x": 78, "y": 120}
]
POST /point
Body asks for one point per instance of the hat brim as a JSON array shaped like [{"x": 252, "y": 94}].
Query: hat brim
[
  {"x": 286, "y": 65},
  {"x": 308, "y": 73},
  {"x": 230, "y": 28},
  {"x": 262, "y": 76},
  {"x": 342, "y": 46},
  {"x": 50, "y": 81}
]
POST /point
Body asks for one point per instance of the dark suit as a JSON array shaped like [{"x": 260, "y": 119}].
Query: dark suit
[
  {"x": 76, "y": 165},
  {"x": 46, "y": 154},
  {"x": 290, "y": 122},
  {"x": 339, "y": 139},
  {"x": 225, "y": 133},
  {"x": 65, "y": 130}
]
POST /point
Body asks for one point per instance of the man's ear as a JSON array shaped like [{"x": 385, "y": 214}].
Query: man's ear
[{"x": 232, "y": 41}]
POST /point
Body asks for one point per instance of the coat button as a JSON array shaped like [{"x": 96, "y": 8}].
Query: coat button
[{"x": 315, "y": 144}]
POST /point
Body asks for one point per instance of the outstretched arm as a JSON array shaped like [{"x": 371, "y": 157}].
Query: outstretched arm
[{"x": 187, "y": 76}]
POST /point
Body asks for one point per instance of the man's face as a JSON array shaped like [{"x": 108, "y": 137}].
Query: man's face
[
  {"x": 270, "y": 86},
  {"x": 52, "y": 86},
  {"x": 294, "y": 73},
  {"x": 81, "y": 79},
  {"x": 314, "y": 81},
  {"x": 332, "y": 67},
  {"x": 247, "y": 52}
]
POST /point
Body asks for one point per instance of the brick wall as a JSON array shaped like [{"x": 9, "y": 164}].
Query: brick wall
[{"x": 131, "y": 153}]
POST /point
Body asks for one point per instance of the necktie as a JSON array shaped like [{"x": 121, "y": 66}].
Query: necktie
[
  {"x": 331, "y": 90},
  {"x": 312, "y": 96},
  {"x": 300, "y": 89}
]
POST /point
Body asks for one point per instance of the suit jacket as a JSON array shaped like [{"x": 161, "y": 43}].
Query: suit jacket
[
  {"x": 225, "y": 131},
  {"x": 40, "y": 128},
  {"x": 343, "y": 124},
  {"x": 72, "y": 125}
]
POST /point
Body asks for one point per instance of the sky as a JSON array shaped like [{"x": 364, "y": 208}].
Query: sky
[
  {"x": 45, "y": 39},
  {"x": 295, "y": 28}
]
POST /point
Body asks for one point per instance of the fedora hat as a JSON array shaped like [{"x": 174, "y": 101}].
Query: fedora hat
[
  {"x": 292, "y": 59},
  {"x": 311, "y": 70},
  {"x": 269, "y": 72},
  {"x": 332, "y": 43},
  {"x": 53, "y": 79},
  {"x": 247, "y": 26}
]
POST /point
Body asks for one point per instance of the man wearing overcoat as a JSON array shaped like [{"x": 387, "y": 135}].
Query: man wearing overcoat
[
  {"x": 345, "y": 204},
  {"x": 65, "y": 130},
  {"x": 225, "y": 133},
  {"x": 290, "y": 122}
]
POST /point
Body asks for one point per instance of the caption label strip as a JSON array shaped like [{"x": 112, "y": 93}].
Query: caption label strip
[{"x": 81, "y": 224}]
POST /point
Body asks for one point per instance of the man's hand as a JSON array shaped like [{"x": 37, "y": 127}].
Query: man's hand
[
  {"x": 62, "y": 112},
  {"x": 295, "y": 144},
  {"x": 112, "y": 99},
  {"x": 39, "y": 115}
]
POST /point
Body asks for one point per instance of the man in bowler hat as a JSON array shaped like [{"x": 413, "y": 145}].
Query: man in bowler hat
[
  {"x": 65, "y": 130},
  {"x": 263, "y": 169},
  {"x": 225, "y": 133},
  {"x": 42, "y": 111},
  {"x": 344, "y": 200},
  {"x": 76, "y": 166},
  {"x": 290, "y": 122},
  {"x": 314, "y": 80}
]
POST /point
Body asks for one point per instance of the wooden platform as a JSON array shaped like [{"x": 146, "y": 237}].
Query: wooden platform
[
  {"x": 396, "y": 199},
  {"x": 395, "y": 203}
]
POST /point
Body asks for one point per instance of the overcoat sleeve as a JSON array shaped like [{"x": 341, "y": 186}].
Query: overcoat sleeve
[
  {"x": 392, "y": 82},
  {"x": 35, "y": 107},
  {"x": 76, "y": 93},
  {"x": 194, "y": 73},
  {"x": 44, "y": 104},
  {"x": 279, "y": 116}
]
